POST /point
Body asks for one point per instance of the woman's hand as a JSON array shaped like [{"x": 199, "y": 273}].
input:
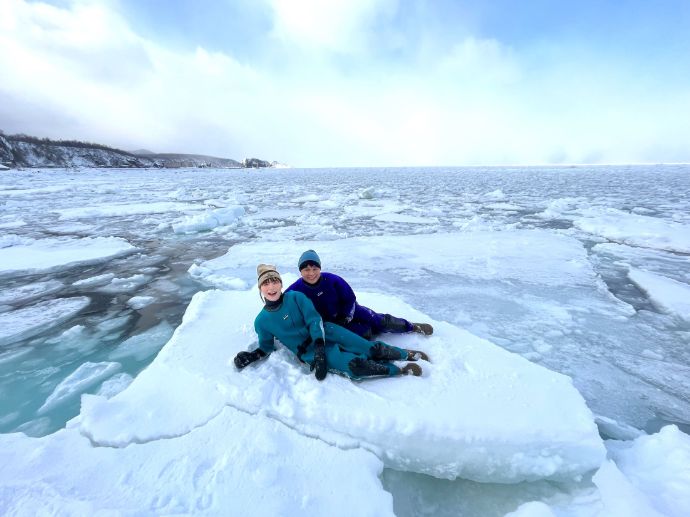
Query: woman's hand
[
  {"x": 319, "y": 362},
  {"x": 245, "y": 358}
]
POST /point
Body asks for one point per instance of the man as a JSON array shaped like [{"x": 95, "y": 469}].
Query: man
[{"x": 336, "y": 302}]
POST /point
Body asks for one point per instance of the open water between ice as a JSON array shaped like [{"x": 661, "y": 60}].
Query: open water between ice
[
  {"x": 584, "y": 270},
  {"x": 628, "y": 353}
]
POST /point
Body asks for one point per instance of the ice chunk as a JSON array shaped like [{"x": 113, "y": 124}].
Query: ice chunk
[
  {"x": 114, "y": 210},
  {"x": 77, "y": 382},
  {"x": 139, "y": 302},
  {"x": 26, "y": 293},
  {"x": 635, "y": 230},
  {"x": 145, "y": 344},
  {"x": 409, "y": 219},
  {"x": 46, "y": 254},
  {"x": 209, "y": 220},
  {"x": 658, "y": 466},
  {"x": 126, "y": 285},
  {"x": 95, "y": 280},
  {"x": 451, "y": 422},
  {"x": 619, "y": 497},
  {"x": 29, "y": 321},
  {"x": 235, "y": 464},
  {"x": 217, "y": 278},
  {"x": 665, "y": 293},
  {"x": 114, "y": 385}
]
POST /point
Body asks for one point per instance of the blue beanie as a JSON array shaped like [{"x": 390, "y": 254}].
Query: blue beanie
[{"x": 308, "y": 256}]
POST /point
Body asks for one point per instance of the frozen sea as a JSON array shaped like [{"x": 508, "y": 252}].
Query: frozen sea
[{"x": 582, "y": 271}]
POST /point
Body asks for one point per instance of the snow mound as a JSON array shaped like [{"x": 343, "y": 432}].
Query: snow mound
[
  {"x": 236, "y": 464},
  {"x": 478, "y": 412}
]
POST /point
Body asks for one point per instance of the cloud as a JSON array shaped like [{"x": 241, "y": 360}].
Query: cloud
[
  {"x": 336, "y": 86},
  {"x": 342, "y": 26}
]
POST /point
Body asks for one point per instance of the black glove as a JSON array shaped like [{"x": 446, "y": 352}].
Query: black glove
[
  {"x": 319, "y": 363},
  {"x": 244, "y": 358}
]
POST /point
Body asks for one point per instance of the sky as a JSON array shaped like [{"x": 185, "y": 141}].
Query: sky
[{"x": 355, "y": 83}]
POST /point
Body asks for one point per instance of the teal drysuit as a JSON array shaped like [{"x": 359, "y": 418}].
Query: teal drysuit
[{"x": 296, "y": 324}]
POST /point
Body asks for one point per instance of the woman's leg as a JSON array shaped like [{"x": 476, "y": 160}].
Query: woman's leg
[
  {"x": 357, "y": 366},
  {"x": 351, "y": 342}
]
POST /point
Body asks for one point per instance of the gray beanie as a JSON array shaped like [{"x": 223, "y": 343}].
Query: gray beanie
[
  {"x": 264, "y": 271},
  {"x": 308, "y": 256}
]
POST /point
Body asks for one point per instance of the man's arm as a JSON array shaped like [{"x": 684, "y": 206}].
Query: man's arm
[{"x": 346, "y": 299}]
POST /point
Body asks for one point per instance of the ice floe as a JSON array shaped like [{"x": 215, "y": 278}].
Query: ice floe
[
  {"x": 85, "y": 376},
  {"x": 665, "y": 293},
  {"x": 29, "y": 321},
  {"x": 36, "y": 255},
  {"x": 449, "y": 423}
]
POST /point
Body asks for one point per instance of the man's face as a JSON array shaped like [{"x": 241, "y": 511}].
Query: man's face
[{"x": 310, "y": 274}]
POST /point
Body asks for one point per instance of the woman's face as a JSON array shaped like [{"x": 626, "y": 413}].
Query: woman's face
[
  {"x": 271, "y": 289},
  {"x": 310, "y": 274}
]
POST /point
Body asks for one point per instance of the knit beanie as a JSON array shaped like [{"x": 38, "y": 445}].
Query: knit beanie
[
  {"x": 308, "y": 256},
  {"x": 264, "y": 271}
]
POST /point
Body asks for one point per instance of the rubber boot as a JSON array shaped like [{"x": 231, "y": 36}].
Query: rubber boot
[
  {"x": 411, "y": 369},
  {"x": 416, "y": 355},
  {"x": 422, "y": 328}
]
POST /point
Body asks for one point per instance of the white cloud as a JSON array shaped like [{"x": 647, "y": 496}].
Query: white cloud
[
  {"x": 83, "y": 72},
  {"x": 334, "y": 25}
]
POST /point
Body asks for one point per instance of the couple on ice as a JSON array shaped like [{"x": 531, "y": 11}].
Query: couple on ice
[{"x": 319, "y": 320}]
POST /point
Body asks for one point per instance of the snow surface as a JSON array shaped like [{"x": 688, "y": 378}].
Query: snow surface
[{"x": 235, "y": 464}]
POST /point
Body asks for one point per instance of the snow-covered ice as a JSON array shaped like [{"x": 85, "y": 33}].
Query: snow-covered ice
[
  {"x": 450, "y": 423},
  {"x": 235, "y": 464}
]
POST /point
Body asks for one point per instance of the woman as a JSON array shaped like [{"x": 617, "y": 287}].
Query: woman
[
  {"x": 335, "y": 301},
  {"x": 292, "y": 319}
]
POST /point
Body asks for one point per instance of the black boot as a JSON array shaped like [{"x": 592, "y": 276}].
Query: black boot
[
  {"x": 383, "y": 352},
  {"x": 411, "y": 369},
  {"x": 367, "y": 368}
]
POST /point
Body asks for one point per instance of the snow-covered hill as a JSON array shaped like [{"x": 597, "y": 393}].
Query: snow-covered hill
[{"x": 28, "y": 151}]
